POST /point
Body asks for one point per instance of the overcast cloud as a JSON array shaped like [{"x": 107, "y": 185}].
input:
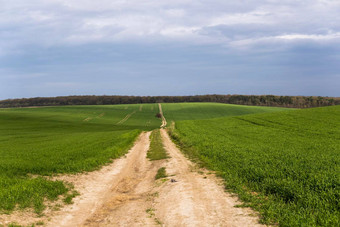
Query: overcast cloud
[{"x": 157, "y": 47}]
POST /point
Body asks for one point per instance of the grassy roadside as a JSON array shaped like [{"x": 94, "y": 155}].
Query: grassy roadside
[
  {"x": 284, "y": 165},
  {"x": 156, "y": 150}
]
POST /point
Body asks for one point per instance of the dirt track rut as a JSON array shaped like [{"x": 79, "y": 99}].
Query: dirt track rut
[{"x": 126, "y": 194}]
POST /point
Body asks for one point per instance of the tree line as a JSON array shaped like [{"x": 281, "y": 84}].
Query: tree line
[{"x": 255, "y": 100}]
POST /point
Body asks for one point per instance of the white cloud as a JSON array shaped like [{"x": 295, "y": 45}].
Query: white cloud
[
  {"x": 315, "y": 37},
  {"x": 286, "y": 38},
  {"x": 175, "y": 12},
  {"x": 58, "y": 22},
  {"x": 254, "y": 17},
  {"x": 179, "y": 31},
  {"x": 39, "y": 16}
]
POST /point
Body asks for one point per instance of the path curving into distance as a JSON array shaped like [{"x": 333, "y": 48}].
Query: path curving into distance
[
  {"x": 126, "y": 193},
  {"x": 164, "y": 123}
]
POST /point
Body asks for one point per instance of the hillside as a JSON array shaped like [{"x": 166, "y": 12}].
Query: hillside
[
  {"x": 194, "y": 111},
  {"x": 284, "y": 164}
]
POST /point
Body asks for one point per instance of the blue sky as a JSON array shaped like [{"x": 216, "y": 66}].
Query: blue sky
[{"x": 157, "y": 47}]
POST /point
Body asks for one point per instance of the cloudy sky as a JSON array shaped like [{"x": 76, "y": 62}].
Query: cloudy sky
[{"x": 169, "y": 47}]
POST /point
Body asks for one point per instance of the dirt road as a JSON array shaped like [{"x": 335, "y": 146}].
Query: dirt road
[
  {"x": 127, "y": 194},
  {"x": 164, "y": 123}
]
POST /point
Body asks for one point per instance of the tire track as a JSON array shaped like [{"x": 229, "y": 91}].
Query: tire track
[{"x": 125, "y": 118}]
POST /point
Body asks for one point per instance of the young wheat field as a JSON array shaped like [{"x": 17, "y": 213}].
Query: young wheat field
[{"x": 284, "y": 163}]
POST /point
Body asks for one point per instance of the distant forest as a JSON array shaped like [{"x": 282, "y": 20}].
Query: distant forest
[{"x": 255, "y": 100}]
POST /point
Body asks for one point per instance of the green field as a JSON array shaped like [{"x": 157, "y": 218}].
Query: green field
[
  {"x": 54, "y": 140},
  {"x": 194, "y": 111},
  {"x": 284, "y": 164}
]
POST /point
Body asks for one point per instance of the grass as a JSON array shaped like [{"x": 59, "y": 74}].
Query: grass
[
  {"x": 15, "y": 225},
  {"x": 156, "y": 150},
  {"x": 283, "y": 164},
  {"x": 195, "y": 111},
  {"x": 151, "y": 212},
  {"x": 37, "y": 142},
  {"x": 161, "y": 173}
]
